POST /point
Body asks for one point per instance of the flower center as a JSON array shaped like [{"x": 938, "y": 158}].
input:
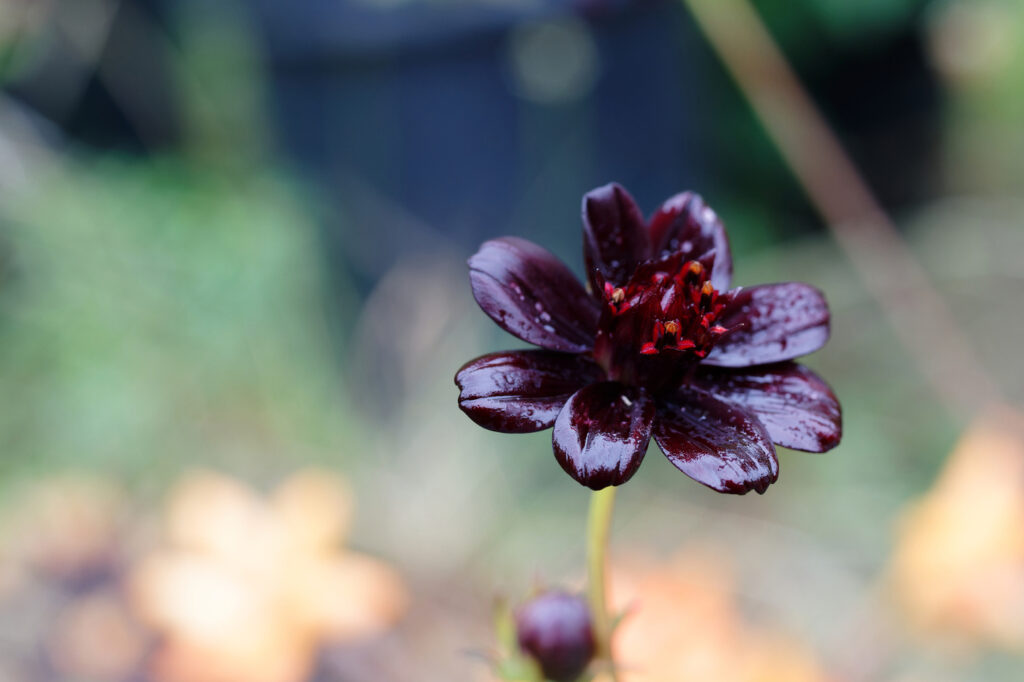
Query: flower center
[{"x": 661, "y": 323}]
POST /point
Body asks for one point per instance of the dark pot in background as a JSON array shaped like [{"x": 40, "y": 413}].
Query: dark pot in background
[
  {"x": 432, "y": 121},
  {"x": 463, "y": 121}
]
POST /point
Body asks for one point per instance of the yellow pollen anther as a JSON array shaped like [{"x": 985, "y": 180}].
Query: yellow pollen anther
[
  {"x": 696, "y": 268},
  {"x": 618, "y": 295},
  {"x": 672, "y": 327},
  {"x": 707, "y": 289}
]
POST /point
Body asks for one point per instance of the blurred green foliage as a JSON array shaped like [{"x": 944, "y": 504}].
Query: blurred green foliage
[{"x": 157, "y": 313}]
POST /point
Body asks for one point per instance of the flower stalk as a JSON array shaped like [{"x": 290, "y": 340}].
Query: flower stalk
[{"x": 599, "y": 521}]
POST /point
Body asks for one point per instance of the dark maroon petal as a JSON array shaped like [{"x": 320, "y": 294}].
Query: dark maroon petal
[
  {"x": 796, "y": 407},
  {"x": 533, "y": 295},
  {"x": 614, "y": 236},
  {"x": 602, "y": 433},
  {"x": 685, "y": 224},
  {"x": 774, "y": 322},
  {"x": 521, "y": 391},
  {"x": 715, "y": 443}
]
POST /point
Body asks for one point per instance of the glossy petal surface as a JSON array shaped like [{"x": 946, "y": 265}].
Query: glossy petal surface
[
  {"x": 602, "y": 433},
  {"x": 685, "y": 224},
  {"x": 521, "y": 391},
  {"x": 614, "y": 236},
  {"x": 533, "y": 295},
  {"x": 776, "y": 322},
  {"x": 795, "y": 405},
  {"x": 716, "y": 444}
]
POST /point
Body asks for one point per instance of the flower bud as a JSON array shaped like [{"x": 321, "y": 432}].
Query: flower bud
[{"x": 555, "y": 630}]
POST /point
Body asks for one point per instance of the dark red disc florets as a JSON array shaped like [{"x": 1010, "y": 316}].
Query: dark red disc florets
[{"x": 660, "y": 323}]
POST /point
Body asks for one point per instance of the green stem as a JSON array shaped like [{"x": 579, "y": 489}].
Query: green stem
[{"x": 599, "y": 521}]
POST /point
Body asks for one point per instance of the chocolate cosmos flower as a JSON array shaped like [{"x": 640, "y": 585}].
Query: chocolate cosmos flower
[{"x": 659, "y": 346}]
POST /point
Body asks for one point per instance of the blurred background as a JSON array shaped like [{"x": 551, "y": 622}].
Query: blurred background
[{"x": 233, "y": 296}]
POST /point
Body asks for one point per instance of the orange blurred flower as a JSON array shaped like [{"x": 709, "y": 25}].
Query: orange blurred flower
[
  {"x": 958, "y": 567},
  {"x": 682, "y": 623},
  {"x": 250, "y": 587}
]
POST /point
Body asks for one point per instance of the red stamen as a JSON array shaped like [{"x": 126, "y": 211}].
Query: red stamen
[{"x": 680, "y": 307}]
